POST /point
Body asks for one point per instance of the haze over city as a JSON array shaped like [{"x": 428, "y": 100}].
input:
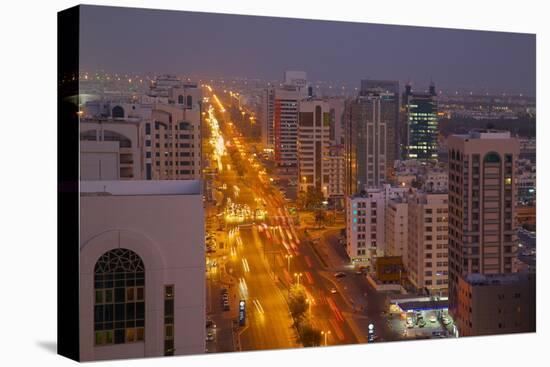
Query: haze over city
[{"x": 218, "y": 45}]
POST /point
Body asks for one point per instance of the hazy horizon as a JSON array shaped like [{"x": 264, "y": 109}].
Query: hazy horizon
[{"x": 132, "y": 40}]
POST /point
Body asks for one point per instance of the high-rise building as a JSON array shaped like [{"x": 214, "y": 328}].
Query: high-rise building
[
  {"x": 366, "y": 142},
  {"x": 336, "y": 120},
  {"x": 142, "y": 266},
  {"x": 285, "y": 125},
  {"x": 421, "y": 124},
  {"x": 365, "y": 223},
  {"x": 313, "y": 146},
  {"x": 337, "y": 172},
  {"x": 482, "y": 199},
  {"x": 388, "y": 90},
  {"x": 267, "y": 117},
  {"x": 427, "y": 254}
]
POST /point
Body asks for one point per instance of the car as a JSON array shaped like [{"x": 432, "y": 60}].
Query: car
[
  {"x": 333, "y": 290},
  {"x": 339, "y": 274},
  {"x": 359, "y": 272},
  {"x": 209, "y": 337},
  {"x": 432, "y": 318},
  {"x": 210, "y": 324}
]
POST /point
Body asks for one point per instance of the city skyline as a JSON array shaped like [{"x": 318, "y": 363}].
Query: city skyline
[{"x": 479, "y": 61}]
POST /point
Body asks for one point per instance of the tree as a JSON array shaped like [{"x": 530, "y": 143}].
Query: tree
[
  {"x": 297, "y": 303},
  {"x": 310, "y": 336}
]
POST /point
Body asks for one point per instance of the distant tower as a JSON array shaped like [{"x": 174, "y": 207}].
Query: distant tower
[{"x": 432, "y": 88}]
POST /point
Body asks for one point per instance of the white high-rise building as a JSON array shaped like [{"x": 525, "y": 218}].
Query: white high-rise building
[
  {"x": 313, "y": 146},
  {"x": 365, "y": 223}
]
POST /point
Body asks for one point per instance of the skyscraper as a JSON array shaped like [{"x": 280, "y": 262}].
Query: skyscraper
[
  {"x": 367, "y": 152},
  {"x": 482, "y": 197},
  {"x": 421, "y": 124},
  {"x": 313, "y": 146},
  {"x": 285, "y": 123},
  {"x": 389, "y": 95}
]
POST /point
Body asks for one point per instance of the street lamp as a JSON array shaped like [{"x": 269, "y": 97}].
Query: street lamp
[
  {"x": 298, "y": 276},
  {"x": 326, "y": 334},
  {"x": 288, "y": 257}
]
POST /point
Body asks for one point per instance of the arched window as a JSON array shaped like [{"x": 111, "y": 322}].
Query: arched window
[
  {"x": 180, "y": 99},
  {"x": 189, "y": 101},
  {"x": 119, "y": 307},
  {"x": 492, "y": 157},
  {"x": 118, "y": 112}
]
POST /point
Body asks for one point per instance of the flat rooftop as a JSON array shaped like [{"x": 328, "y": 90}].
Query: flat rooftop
[
  {"x": 496, "y": 279},
  {"x": 133, "y": 188},
  {"x": 485, "y": 134}
]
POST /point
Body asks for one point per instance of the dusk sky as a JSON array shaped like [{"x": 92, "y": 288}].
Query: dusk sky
[{"x": 141, "y": 41}]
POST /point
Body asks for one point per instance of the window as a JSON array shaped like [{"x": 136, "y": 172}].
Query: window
[
  {"x": 169, "y": 320},
  {"x": 119, "y": 310},
  {"x": 118, "y": 112},
  {"x": 180, "y": 99}
]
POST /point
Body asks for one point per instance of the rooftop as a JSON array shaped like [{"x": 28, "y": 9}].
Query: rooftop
[
  {"x": 496, "y": 279},
  {"x": 487, "y": 134},
  {"x": 144, "y": 188}
]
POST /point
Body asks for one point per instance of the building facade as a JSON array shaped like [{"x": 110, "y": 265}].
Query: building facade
[
  {"x": 313, "y": 146},
  {"x": 496, "y": 304},
  {"x": 365, "y": 223},
  {"x": 421, "y": 124},
  {"x": 337, "y": 173},
  {"x": 173, "y": 144},
  {"x": 397, "y": 236},
  {"x": 285, "y": 125},
  {"x": 267, "y": 117},
  {"x": 427, "y": 253},
  {"x": 366, "y": 139},
  {"x": 482, "y": 205},
  {"x": 142, "y": 266}
]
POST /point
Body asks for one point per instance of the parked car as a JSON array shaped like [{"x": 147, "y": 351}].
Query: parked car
[
  {"x": 421, "y": 322},
  {"x": 209, "y": 337}
]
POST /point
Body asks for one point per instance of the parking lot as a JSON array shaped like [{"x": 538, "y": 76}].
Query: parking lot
[{"x": 421, "y": 323}]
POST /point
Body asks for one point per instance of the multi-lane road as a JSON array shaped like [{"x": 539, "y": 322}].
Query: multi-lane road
[{"x": 265, "y": 256}]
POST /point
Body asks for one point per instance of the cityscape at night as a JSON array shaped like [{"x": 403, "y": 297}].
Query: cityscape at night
[{"x": 254, "y": 183}]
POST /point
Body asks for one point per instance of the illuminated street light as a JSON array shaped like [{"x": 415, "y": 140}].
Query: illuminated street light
[
  {"x": 298, "y": 276},
  {"x": 288, "y": 257},
  {"x": 326, "y": 334}
]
